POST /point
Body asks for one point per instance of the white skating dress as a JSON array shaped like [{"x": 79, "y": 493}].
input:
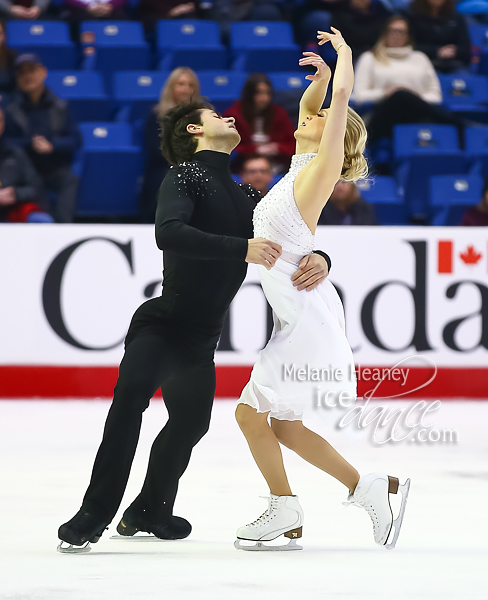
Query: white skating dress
[{"x": 308, "y": 355}]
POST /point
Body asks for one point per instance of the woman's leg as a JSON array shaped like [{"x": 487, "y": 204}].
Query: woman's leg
[
  {"x": 264, "y": 447},
  {"x": 315, "y": 450}
]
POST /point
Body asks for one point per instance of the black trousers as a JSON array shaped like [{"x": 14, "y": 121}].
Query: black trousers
[
  {"x": 406, "y": 107},
  {"x": 152, "y": 360},
  {"x": 65, "y": 183}
]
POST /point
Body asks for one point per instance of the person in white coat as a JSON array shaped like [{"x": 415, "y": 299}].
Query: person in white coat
[{"x": 400, "y": 82}]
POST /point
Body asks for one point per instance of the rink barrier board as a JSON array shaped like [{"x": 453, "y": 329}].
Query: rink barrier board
[{"x": 90, "y": 382}]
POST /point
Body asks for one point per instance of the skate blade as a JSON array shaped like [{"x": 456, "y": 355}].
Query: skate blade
[
  {"x": 397, "y": 523},
  {"x": 261, "y": 546},
  {"x": 137, "y": 538},
  {"x": 70, "y": 549}
]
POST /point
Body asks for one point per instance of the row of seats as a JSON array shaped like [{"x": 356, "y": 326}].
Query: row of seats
[
  {"x": 132, "y": 93},
  {"x": 426, "y": 157},
  {"x": 120, "y": 45}
]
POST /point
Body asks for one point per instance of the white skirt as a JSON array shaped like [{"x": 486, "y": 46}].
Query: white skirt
[{"x": 308, "y": 355}]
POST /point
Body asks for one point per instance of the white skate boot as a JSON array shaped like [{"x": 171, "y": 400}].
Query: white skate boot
[
  {"x": 284, "y": 516},
  {"x": 372, "y": 493}
]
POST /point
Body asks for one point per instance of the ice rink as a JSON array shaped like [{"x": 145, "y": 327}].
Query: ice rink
[{"x": 47, "y": 450}]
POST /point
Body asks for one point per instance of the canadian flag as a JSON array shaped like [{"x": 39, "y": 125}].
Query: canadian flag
[{"x": 446, "y": 256}]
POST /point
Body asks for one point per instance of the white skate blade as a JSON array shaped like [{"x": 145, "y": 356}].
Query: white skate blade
[
  {"x": 261, "y": 546},
  {"x": 137, "y": 538},
  {"x": 70, "y": 549},
  {"x": 397, "y": 523}
]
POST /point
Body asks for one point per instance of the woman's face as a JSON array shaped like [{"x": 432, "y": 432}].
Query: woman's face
[
  {"x": 397, "y": 34},
  {"x": 183, "y": 88},
  {"x": 312, "y": 128},
  {"x": 2, "y": 36},
  {"x": 436, "y": 4},
  {"x": 262, "y": 97}
]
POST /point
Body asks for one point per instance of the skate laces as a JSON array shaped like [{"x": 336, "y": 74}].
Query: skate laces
[
  {"x": 362, "y": 502},
  {"x": 273, "y": 502}
]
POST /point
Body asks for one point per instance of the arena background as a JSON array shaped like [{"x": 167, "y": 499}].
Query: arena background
[{"x": 415, "y": 297}]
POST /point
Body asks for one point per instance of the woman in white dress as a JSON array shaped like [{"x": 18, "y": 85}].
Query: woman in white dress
[{"x": 308, "y": 328}]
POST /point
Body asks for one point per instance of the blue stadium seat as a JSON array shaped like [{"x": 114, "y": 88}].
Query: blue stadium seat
[
  {"x": 472, "y": 7},
  {"x": 464, "y": 92},
  {"x": 388, "y": 204},
  {"x": 136, "y": 92},
  {"x": 264, "y": 46},
  {"x": 50, "y": 40},
  {"x": 111, "y": 170},
  {"x": 479, "y": 40},
  {"x": 477, "y": 149},
  {"x": 119, "y": 45},
  {"x": 222, "y": 87},
  {"x": 291, "y": 80},
  {"x": 190, "y": 43},
  {"x": 85, "y": 92},
  {"x": 421, "y": 151},
  {"x": 451, "y": 194}
]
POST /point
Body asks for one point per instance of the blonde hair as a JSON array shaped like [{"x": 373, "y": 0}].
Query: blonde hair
[
  {"x": 355, "y": 165},
  {"x": 166, "y": 99},
  {"x": 379, "y": 50}
]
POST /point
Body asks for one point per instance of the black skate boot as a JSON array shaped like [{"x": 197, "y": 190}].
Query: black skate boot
[
  {"x": 170, "y": 528},
  {"x": 82, "y": 529}
]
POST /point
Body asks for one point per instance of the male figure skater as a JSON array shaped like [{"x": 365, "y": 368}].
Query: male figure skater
[{"x": 204, "y": 227}]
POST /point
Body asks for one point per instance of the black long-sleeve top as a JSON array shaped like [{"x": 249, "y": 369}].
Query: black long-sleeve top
[{"x": 203, "y": 223}]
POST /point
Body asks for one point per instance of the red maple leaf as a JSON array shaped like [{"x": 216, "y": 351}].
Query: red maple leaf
[{"x": 470, "y": 256}]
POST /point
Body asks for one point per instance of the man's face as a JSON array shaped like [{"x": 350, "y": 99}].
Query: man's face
[
  {"x": 216, "y": 129},
  {"x": 31, "y": 77},
  {"x": 257, "y": 172}
]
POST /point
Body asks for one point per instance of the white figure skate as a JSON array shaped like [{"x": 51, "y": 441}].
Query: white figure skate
[
  {"x": 373, "y": 494},
  {"x": 284, "y": 516}
]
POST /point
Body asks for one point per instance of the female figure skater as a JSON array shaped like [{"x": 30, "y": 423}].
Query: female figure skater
[{"x": 308, "y": 328}]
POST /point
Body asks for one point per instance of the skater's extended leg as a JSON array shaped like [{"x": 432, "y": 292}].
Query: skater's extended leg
[
  {"x": 264, "y": 447},
  {"x": 141, "y": 370},
  {"x": 315, "y": 450}
]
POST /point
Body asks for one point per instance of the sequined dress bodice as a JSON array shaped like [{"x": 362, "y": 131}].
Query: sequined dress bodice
[{"x": 277, "y": 218}]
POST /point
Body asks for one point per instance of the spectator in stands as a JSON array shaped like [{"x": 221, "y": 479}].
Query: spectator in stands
[
  {"x": 151, "y": 11},
  {"x": 179, "y": 87},
  {"x": 39, "y": 122},
  {"x": 265, "y": 127},
  {"x": 346, "y": 206},
  {"x": 20, "y": 185},
  {"x": 7, "y": 59},
  {"x": 24, "y": 9},
  {"x": 401, "y": 83},
  {"x": 477, "y": 216},
  {"x": 257, "y": 171},
  {"x": 361, "y": 22},
  {"x": 312, "y": 16},
  {"x": 84, "y": 10},
  {"x": 441, "y": 33},
  {"x": 227, "y": 11}
]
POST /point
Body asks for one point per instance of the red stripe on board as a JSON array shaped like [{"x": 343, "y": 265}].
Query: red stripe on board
[
  {"x": 98, "y": 382},
  {"x": 444, "y": 257}
]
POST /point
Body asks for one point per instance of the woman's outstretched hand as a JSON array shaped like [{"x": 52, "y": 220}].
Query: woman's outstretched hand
[
  {"x": 335, "y": 38},
  {"x": 323, "y": 71}
]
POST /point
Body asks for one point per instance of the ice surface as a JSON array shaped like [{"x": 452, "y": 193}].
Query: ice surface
[{"x": 46, "y": 454}]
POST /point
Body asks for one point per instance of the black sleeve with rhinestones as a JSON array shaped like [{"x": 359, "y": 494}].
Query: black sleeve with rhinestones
[
  {"x": 252, "y": 192},
  {"x": 176, "y": 202}
]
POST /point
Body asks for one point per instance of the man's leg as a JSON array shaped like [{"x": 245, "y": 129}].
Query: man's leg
[
  {"x": 141, "y": 371},
  {"x": 189, "y": 398},
  {"x": 65, "y": 183}
]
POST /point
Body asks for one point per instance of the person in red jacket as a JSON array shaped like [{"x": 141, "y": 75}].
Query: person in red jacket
[{"x": 265, "y": 127}]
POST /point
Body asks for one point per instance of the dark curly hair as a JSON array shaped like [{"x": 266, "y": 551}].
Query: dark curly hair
[{"x": 177, "y": 144}]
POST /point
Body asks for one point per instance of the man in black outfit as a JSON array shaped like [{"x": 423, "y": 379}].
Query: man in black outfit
[{"x": 204, "y": 227}]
